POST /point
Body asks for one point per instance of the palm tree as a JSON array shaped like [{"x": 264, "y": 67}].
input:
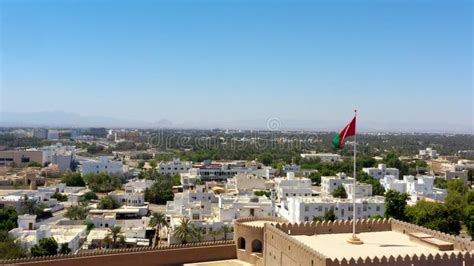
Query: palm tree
[
  {"x": 215, "y": 234},
  {"x": 157, "y": 220},
  {"x": 114, "y": 234},
  {"x": 225, "y": 231},
  {"x": 183, "y": 231},
  {"x": 31, "y": 206},
  {"x": 76, "y": 212},
  {"x": 198, "y": 232}
]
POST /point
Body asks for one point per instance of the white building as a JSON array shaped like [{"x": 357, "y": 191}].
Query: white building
[
  {"x": 324, "y": 157},
  {"x": 304, "y": 209},
  {"x": 102, "y": 165},
  {"x": 174, "y": 167},
  {"x": 292, "y": 187},
  {"x": 139, "y": 185},
  {"x": 220, "y": 171},
  {"x": 123, "y": 198},
  {"x": 245, "y": 183},
  {"x": 421, "y": 187},
  {"x": 63, "y": 156},
  {"x": 235, "y": 207},
  {"x": 291, "y": 168},
  {"x": 330, "y": 183},
  {"x": 361, "y": 191},
  {"x": 28, "y": 235},
  {"x": 428, "y": 153},
  {"x": 102, "y": 220},
  {"x": 381, "y": 171}
]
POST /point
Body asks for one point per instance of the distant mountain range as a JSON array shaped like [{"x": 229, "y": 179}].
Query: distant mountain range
[{"x": 66, "y": 119}]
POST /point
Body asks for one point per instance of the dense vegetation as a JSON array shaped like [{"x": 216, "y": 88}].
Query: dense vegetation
[
  {"x": 162, "y": 189},
  {"x": 73, "y": 180},
  {"x": 448, "y": 217},
  {"x": 107, "y": 203},
  {"x": 103, "y": 182}
]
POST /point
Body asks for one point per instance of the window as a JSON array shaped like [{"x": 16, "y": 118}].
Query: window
[
  {"x": 306, "y": 208},
  {"x": 195, "y": 216}
]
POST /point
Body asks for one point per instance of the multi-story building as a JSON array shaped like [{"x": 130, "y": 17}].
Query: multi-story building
[
  {"x": 40, "y": 133},
  {"x": 291, "y": 168},
  {"x": 138, "y": 185},
  {"x": 128, "y": 198},
  {"x": 324, "y": 157},
  {"x": 421, "y": 187},
  {"x": 428, "y": 153},
  {"x": 245, "y": 183},
  {"x": 102, "y": 165},
  {"x": 290, "y": 186},
  {"x": 61, "y": 155},
  {"x": 381, "y": 171},
  {"x": 20, "y": 158},
  {"x": 330, "y": 183},
  {"x": 28, "y": 235},
  {"x": 174, "y": 167},
  {"x": 234, "y": 207},
  {"x": 361, "y": 190},
  {"x": 304, "y": 209}
]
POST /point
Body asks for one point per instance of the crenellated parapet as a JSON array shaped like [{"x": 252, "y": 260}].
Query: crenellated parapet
[
  {"x": 455, "y": 258},
  {"x": 338, "y": 226},
  {"x": 108, "y": 252}
]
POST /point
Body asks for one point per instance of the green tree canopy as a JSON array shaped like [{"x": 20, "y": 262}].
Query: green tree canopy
[
  {"x": 183, "y": 232},
  {"x": 395, "y": 203},
  {"x": 88, "y": 196},
  {"x": 46, "y": 247},
  {"x": 107, "y": 203},
  {"x": 73, "y": 180},
  {"x": 59, "y": 196},
  {"x": 8, "y": 219},
  {"x": 315, "y": 178},
  {"x": 76, "y": 212},
  {"x": 64, "y": 249},
  {"x": 103, "y": 182},
  {"x": 162, "y": 189},
  {"x": 340, "y": 192},
  {"x": 436, "y": 216},
  {"x": 9, "y": 248}
]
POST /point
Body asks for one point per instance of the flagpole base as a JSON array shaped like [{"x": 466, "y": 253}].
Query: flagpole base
[{"x": 355, "y": 240}]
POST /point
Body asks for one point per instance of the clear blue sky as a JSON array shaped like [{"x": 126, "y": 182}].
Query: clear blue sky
[{"x": 396, "y": 61}]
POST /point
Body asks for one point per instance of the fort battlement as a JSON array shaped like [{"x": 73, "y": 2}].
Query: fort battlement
[
  {"x": 453, "y": 259},
  {"x": 336, "y": 227},
  {"x": 162, "y": 255},
  {"x": 283, "y": 247}
]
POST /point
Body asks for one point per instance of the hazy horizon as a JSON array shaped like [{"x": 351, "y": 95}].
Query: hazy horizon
[{"x": 405, "y": 65}]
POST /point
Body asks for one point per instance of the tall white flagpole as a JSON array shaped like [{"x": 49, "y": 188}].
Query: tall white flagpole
[
  {"x": 354, "y": 239},
  {"x": 354, "y": 176}
]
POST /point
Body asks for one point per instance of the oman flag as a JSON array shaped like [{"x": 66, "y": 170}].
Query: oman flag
[{"x": 347, "y": 131}]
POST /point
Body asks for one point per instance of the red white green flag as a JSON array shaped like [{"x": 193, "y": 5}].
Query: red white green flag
[{"x": 347, "y": 131}]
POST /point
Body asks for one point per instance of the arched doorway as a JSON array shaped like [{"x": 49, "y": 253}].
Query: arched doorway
[
  {"x": 257, "y": 246},
  {"x": 241, "y": 243}
]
